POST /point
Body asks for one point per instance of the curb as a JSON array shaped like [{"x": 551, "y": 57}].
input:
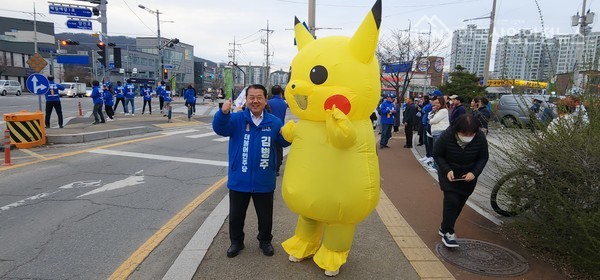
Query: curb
[{"x": 97, "y": 135}]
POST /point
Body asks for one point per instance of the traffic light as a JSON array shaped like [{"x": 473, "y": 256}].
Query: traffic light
[
  {"x": 173, "y": 42},
  {"x": 165, "y": 73},
  {"x": 68, "y": 42},
  {"x": 102, "y": 53}
]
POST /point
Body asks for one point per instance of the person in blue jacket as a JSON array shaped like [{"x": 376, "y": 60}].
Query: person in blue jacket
[
  {"x": 253, "y": 134},
  {"x": 130, "y": 97},
  {"x": 109, "y": 101},
  {"x": 159, "y": 91},
  {"x": 278, "y": 108},
  {"x": 387, "y": 111},
  {"x": 166, "y": 95},
  {"x": 120, "y": 94},
  {"x": 146, "y": 92},
  {"x": 98, "y": 102},
  {"x": 190, "y": 101},
  {"x": 53, "y": 102}
]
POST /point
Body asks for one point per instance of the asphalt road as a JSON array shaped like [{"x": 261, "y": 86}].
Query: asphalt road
[
  {"x": 82, "y": 216},
  {"x": 29, "y": 102}
]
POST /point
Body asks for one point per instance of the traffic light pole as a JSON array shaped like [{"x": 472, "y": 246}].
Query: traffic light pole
[{"x": 103, "y": 22}]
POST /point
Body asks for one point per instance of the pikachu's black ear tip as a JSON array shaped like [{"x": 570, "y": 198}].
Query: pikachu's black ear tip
[
  {"x": 376, "y": 10},
  {"x": 296, "y": 20}
]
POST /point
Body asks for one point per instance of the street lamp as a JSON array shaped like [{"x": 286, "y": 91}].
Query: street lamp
[{"x": 158, "y": 44}]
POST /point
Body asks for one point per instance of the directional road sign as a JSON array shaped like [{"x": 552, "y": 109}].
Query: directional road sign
[
  {"x": 37, "y": 84},
  {"x": 79, "y": 24},
  {"x": 70, "y": 11}
]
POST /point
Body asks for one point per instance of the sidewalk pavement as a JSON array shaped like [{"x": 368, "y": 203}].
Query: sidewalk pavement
[{"x": 397, "y": 241}]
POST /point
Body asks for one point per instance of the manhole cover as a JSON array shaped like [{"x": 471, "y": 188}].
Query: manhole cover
[{"x": 483, "y": 258}]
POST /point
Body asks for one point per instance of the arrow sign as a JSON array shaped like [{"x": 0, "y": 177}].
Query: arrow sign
[
  {"x": 70, "y": 11},
  {"x": 37, "y": 84},
  {"x": 79, "y": 24},
  {"x": 136, "y": 179}
]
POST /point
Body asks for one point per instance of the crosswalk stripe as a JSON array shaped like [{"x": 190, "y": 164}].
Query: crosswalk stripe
[
  {"x": 222, "y": 139},
  {"x": 179, "y": 132},
  {"x": 159, "y": 157},
  {"x": 202, "y": 135}
]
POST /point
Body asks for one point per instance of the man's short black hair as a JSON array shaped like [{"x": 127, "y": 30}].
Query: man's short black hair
[
  {"x": 95, "y": 83},
  {"x": 276, "y": 90},
  {"x": 258, "y": 86},
  {"x": 466, "y": 123},
  {"x": 51, "y": 78}
]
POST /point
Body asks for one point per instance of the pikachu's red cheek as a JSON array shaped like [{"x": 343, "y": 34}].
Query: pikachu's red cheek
[{"x": 340, "y": 102}]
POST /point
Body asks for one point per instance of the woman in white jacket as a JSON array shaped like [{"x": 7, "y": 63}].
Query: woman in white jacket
[{"x": 438, "y": 118}]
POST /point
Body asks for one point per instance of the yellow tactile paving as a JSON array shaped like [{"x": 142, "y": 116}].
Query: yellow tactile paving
[{"x": 423, "y": 260}]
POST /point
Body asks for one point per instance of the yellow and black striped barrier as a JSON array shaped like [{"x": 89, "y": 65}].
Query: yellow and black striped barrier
[{"x": 26, "y": 129}]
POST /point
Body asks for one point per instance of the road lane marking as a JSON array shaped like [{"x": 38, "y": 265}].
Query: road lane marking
[
  {"x": 33, "y": 154},
  {"x": 197, "y": 247},
  {"x": 136, "y": 179},
  {"x": 74, "y": 185},
  {"x": 222, "y": 139},
  {"x": 202, "y": 135},
  {"x": 131, "y": 263},
  {"x": 179, "y": 132},
  {"x": 159, "y": 157},
  {"x": 74, "y": 153}
]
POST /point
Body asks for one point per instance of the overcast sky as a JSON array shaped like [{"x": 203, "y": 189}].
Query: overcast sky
[{"x": 210, "y": 26}]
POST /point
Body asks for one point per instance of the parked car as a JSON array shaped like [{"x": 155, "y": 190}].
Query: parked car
[
  {"x": 73, "y": 89},
  {"x": 10, "y": 86},
  {"x": 513, "y": 109}
]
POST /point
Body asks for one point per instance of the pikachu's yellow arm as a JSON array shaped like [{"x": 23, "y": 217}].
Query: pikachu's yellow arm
[
  {"x": 340, "y": 130},
  {"x": 287, "y": 131}
]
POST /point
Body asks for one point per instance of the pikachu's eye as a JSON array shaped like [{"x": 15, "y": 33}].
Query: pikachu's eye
[{"x": 318, "y": 74}]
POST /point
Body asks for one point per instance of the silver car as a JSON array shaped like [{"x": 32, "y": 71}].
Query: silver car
[
  {"x": 10, "y": 86},
  {"x": 513, "y": 109}
]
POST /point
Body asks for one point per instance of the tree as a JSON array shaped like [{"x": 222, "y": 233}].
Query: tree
[
  {"x": 400, "y": 47},
  {"x": 464, "y": 84}
]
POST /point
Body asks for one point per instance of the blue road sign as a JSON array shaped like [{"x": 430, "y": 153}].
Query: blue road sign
[
  {"x": 37, "y": 84},
  {"x": 167, "y": 66},
  {"x": 79, "y": 24},
  {"x": 70, "y": 11},
  {"x": 73, "y": 59}
]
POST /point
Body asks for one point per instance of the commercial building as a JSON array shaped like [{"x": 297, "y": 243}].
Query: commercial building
[{"x": 178, "y": 60}]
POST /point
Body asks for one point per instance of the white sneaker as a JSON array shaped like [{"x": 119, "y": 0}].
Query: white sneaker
[
  {"x": 294, "y": 259},
  {"x": 126, "y": 114},
  {"x": 331, "y": 273},
  {"x": 132, "y": 114},
  {"x": 449, "y": 240},
  {"x": 423, "y": 159},
  {"x": 431, "y": 169}
]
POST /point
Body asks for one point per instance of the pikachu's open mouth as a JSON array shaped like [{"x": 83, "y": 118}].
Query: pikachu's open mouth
[{"x": 302, "y": 101}]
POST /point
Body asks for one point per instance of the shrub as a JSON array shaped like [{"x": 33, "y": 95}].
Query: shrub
[{"x": 564, "y": 217}]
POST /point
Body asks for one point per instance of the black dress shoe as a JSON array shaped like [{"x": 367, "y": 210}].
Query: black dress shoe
[
  {"x": 406, "y": 146},
  {"x": 420, "y": 144},
  {"x": 234, "y": 250},
  {"x": 267, "y": 249}
]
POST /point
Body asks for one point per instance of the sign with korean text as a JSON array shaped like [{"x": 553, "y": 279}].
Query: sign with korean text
[
  {"x": 70, "y": 11},
  {"x": 79, "y": 24}
]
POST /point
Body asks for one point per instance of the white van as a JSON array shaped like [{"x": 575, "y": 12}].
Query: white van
[
  {"x": 73, "y": 89},
  {"x": 10, "y": 86}
]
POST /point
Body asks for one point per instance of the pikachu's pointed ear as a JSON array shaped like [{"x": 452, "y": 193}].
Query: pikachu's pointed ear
[
  {"x": 303, "y": 37},
  {"x": 364, "y": 42}
]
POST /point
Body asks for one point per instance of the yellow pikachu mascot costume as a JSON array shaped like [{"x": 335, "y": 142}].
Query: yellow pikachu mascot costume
[{"x": 331, "y": 177}]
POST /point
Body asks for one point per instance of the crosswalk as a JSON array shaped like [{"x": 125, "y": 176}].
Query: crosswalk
[{"x": 195, "y": 135}]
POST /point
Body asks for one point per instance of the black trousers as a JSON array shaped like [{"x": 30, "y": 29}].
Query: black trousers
[
  {"x": 98, "y": 111},
  {"x": 279, "y": 149},
  {"x": 408, "y": 133},
  {"x": 122, "y": 100},
  {"x": 453, "y": 205},
  {"x": 238, "y": 205},
  {"x": 149, "y": 102},
  {"x": 110, "y": 113},
  {"x": 161, "y": 103},
  {"x": 56, "y": 105}
]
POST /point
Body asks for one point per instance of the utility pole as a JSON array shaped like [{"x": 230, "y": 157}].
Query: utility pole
[
  {"x": 266, "y": 42},
  {"x": 311, "y": 16},
  {"x": 488, "y": 51},
  {"x": 232, "y": 52},
  {"x": 583, "y": 21}
]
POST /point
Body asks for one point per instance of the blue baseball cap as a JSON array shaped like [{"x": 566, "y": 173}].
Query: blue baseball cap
[
  {"x": 392, "y": 95},
  {"x": 436, "y": 92}
]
